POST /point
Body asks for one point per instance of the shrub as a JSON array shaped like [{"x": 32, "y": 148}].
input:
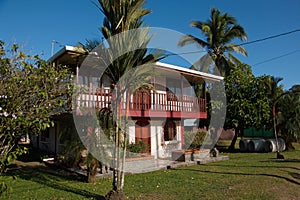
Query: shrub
[
  {"x": 137, "y": 147},
  {"x": 194, "y": 139}
]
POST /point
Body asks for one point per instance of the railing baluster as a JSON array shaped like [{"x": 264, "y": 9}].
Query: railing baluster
[{"x": 142, "y": 100}]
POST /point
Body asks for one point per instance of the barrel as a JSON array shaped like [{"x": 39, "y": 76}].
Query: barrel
[
  {"x": 257, "y": 145},
  {"x": 270, "y": 145},
  {"x": 243, "y": 144}
]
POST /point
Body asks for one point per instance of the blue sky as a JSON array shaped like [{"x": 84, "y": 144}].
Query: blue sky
[{"x": 35, "y": 23}]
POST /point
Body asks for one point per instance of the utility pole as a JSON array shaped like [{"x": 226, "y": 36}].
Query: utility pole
[{"x": 52, "y": 46}]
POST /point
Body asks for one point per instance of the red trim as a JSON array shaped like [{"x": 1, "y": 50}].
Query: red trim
[
  {"x": 151, "y": 113},
  {"x": 167, "y": 114}
]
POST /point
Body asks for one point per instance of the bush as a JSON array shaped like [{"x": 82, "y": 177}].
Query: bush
[
  {"x": 137, "y": 147},
  {"x": 194, "y": 139}
]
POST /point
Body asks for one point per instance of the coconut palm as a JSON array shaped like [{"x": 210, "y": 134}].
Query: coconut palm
[
  {"x": 269, "y": 87},
  {"x": 273, "y": 86},
  {"x": 274, "y": 92},
  {"x": 288, "y": 115},
  {"x": 220, "y": 31}
]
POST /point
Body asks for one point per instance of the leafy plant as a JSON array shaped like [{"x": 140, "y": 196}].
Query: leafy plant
[
  {"x": 194, "y": 139},
  {"x": 137, "y": 147},
  {"x": 125, "y": 53},
  {"x": 288, "y": 116},
  {"x": 32, "y": 91}
]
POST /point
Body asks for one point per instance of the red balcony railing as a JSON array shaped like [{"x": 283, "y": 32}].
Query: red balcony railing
[{"x": 144, "y": 100}]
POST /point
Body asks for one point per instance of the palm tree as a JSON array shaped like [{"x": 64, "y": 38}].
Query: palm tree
[
  {"x": 272, "y": 84},
  {"x": 220, "y": 30},
  {"x": 288, "y": 115},
  {"x": 125, "y": 50},
  {"x": 274, "y": 92},
  {"x": 270, "y": 87}
]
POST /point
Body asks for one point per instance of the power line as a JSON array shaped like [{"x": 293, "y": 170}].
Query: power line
[
  {"x": 277, "y": 57},
  {"x": 189, "y": 52},
  {"x": 270, "y": 37},
  {"x": 245, "y": 43}
]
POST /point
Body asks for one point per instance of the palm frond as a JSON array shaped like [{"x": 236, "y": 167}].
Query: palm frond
[
  {"x": 237, "y": 49},
  {"x": 233, "y": 32},
  {"x": 220, "y": 30},
  {"x": 197, "y": 24},
  {"x": 234, "y": 60},
  {"x": 189, "y": 39},
  {"x": 203, "y": 64}
]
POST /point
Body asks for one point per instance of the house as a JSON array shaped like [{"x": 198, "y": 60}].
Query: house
[{"x": 158, "y": 116}]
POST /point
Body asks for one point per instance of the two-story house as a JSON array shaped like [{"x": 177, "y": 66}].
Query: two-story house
[{"x": 158, "y": 116}]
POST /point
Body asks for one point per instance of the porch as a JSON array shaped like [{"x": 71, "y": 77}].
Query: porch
[{"x": 144, "y": 103}]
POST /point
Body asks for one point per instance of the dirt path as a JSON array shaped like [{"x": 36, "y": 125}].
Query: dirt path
[{"x": 29, "y": 164}]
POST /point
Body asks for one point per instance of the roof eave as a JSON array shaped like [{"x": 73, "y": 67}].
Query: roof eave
[
  {"x": 191, "y": 72},
  {"x": 61, "y": 52}
]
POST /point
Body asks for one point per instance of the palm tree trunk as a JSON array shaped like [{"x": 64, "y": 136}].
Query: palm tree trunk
[
  {"x": 125, "y": 142},
  {"x": 274, "y": 124},
  {"x": 116, "y": 172}
]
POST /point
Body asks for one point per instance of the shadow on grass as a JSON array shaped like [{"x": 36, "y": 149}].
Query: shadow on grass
[
  {"x": 255, "y": 166},
  {"x": 285, "y": 160},
  {"x": 244, "y": 174},
  {"x": 294, "y": 175},
  {"x": 50, "y": 178}
]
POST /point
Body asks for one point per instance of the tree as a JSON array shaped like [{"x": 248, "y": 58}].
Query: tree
[
  {"x": 248, "y": 102},
  {"x": 124, "y": 31},
  {"x": 269, "y": 86},
  {"x": 32, "y": 91},
  {"x": 288, "y": 115},
  {"x": 239, "y": 91},
  {"x": 220, "y": 30}
]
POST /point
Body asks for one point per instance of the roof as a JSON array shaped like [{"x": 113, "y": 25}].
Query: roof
[
  {"x": 189, "y": 71},
  {"x": 65, "y": 56},
  {"x": 61, "y": 52}
]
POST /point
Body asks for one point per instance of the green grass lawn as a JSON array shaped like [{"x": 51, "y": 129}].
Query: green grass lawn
[{"x": 243, "y": 176}]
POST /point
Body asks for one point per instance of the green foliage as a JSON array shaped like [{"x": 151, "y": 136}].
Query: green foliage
[
  {"x": 11, "y": 154},
  {"x": 288, "y": 116},
  {"x": 31, "y": 92},
  {"x": 248, "y": 102},
  {"x": 268, "y": 90},
  {"x": 3, "y": 188},
  {"x": 72, "y": 146},
  {"x": 194, "y": 139},
  {"x": 137, "y": 147},
  {"x": 219, "y": 31},
  {"x": 123, "y": 53},
  {"x": 239, "y": 90},
  {"x": 106, "y": 122}
]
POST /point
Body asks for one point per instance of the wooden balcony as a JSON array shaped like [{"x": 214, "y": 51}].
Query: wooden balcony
[{"x": 143, "y": 103}]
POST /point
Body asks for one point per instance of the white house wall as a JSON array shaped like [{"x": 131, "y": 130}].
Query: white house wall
[
  {"x": 131, "y": 134},
  {"x": 156, "y": 135}
]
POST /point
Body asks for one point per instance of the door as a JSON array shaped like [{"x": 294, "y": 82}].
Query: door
[
  {"x": 141, "y": 100},
  {"x": 142, "y": 133}
]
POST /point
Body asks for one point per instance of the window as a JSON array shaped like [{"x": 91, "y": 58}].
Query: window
[{"x": 169, "y": 130}]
